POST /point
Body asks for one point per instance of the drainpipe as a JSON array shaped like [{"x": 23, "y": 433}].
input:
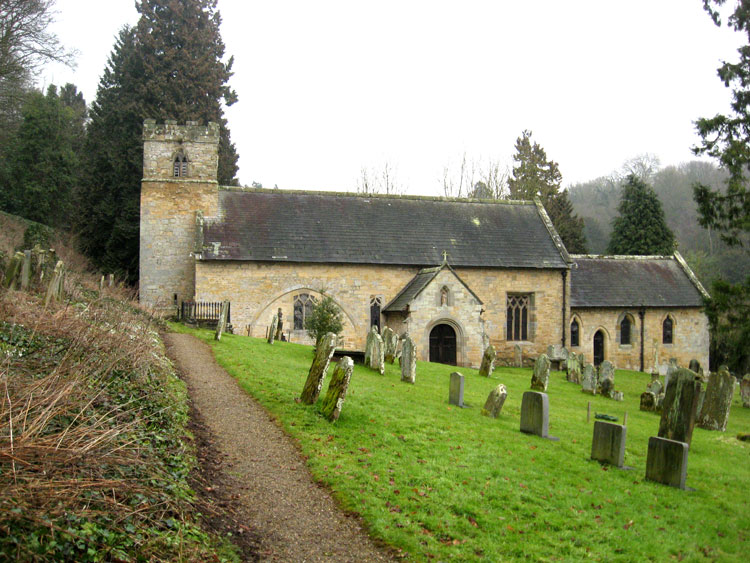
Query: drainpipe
[
  {"x": 564, "y": 304},
  {"x": 642, "y": 314}
]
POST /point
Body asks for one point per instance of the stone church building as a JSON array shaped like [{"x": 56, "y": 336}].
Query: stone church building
[{"x": 455, "y": 274}]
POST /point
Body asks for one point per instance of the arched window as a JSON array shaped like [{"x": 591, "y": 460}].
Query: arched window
[
  {"x": 444, "y": 296},
  {"x": 303, "y": 306},
  {"x": 179, "y": 168},
  {"x": 667, "y": 334},
  {"x": 625, "y": 330},
  {"x": 518, "y": 317},
  {"x": 376, "y": 304},
  {"x": 575, "y": 333}
]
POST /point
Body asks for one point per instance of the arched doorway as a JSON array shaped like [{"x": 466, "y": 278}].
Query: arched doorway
[
  {"x": 598, "y": 347},
  {"x": 443, "y": 344}
]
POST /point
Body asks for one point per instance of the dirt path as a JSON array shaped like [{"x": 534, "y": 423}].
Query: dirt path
[{"x": 271, "y": 492}]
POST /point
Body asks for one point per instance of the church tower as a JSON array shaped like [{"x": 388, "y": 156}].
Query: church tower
[{"x": 179, "y": 187}]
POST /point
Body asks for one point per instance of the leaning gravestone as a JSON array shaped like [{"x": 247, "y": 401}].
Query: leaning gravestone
[
  {"x": 535, "y": 414},
  {"x": 323, "y": 354},
  {"x": 588, "y": 383},
  {"x": 272, "y": 330},
  {"x": 408, "y": 360},
  {"x": 495, "y": 401},
  {"x": 540, "y": 377},
  {"x": 518, "y": 356},
  {"x": 488, "y": 361},
  {"x": 369, "y": 344},
  {"x": 573, "y": 367},
  {"x": 13, "y": 270},
  {"x": 456, "y": 390},
  {"x": 390, "y": 341},
  {"x": 714, "y": 413},
  {"x": 334, "y": 399},
  {"x": 745, "y": 391},
  {"x": 606, "y": 382},
  {"x": 377, "y": 359},
  {"x": 679, "y": 406},
  {"x": 221, "y": 324},
  {"x": 666, "y": 462},
  {"x": 608, "y": 444}
]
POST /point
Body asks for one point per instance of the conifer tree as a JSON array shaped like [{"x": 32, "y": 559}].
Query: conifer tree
[
  {"x": 568, "y": 225},
  {"x": 640, "y": 229}
]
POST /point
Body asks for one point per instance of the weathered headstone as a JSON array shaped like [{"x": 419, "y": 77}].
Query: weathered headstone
[
  {"x": 535, "y": 414},
  {"x": 606, "y": 381},
  {"x": 376, "y": 355},
  {"x": 714, "y": 414},
  {"x": 618, "y": 396},
  {"x": 608, "y": 444},
  {"x": 666, "y": 462},
  {"x": 101, "y": 284},
  {"x": 695, "y": 366},
  {"x": 671, "y": 370},
  {"x": 488, "y": 361},
  {"x": 495, "y": 401},
  {"x": 370, "y": 343},
  {"x": 679, "y": 406},
  {"x": 279, "y": 324},
  {"x": 323, "y": 354},
  {"x": 221, "y": 325},
  {"x": 540, "y": 377},
  {"x": 13, "y": 270},
  {"x": 745, "y": 391},
  {"x": 408, "y": 360},
  {"x": 517, "y": 356},
  {"x": 648, "y": 402},
  {"x": 26, "y": 270},
  {"x": 557, "y": 355},
  {"x": 111, "y": 280},
  {"x": 588, "y": 383},
  {"x": 573, "y": 368},
  {"x": 272, "y": 329},
  {"x": 456, "y": 390},
  {"x": 655, "y": 361},
  {"x": 334, "y": 399},
  {"x": 54, "y": 289},
  {"x": 655, "y": 387},
  {"x": 390, "y": 344}
]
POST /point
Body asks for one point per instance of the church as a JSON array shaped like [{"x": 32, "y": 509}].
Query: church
[{"x": 456, "y": 275}]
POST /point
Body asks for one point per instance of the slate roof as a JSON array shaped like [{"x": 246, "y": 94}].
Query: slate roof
[
  {"x": 412, "y": 289},
  {"x": 280, "y": 225},
  {"x": 633, "y": 281}
]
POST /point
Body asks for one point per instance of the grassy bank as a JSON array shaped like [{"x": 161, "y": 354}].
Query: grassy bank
[{"x": 445, "y": 483}]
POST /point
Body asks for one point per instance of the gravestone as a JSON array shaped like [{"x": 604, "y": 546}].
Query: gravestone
[
  {"x": 671, "y": 370},
  {"x": 54, "y": 289},
  {"x": 334, "y": 399},
  {"x": 618, "y": 396},
  {"x": 488, "y": 361},
  {"x": 390, "y": 343},
  {"x": 456, "y": 391},
  {"x": 272, "y": 330},
  {"x": 745, "y": 391},
  {"x": 557, "y": 355},
  {"x": 679, "y": 406},
  {"x": 695, "y": 366},
  {"x": 280, "y": 324},
  {"x": 408, "y": 360},
  {"x": 517, "y": 356},
  {"x": 717, "y": 402},
  {"x": 376, "y": 356},
  {"x": 221, "y": 325},
  {"x": 535, "y": 414},
  {"x": 495, "y": 401},
  {"x": 648, "y": 402},
  {"x": 588, "y": 383},
  {"x": 666, "y": 462},
  {"x": 606, "y": 381},
  {"x": 655, "y": 361},
  {"x": 323, "y": 354},
  {"x": 573, "y": 367},
  {"x": 369, "y": 344},
  {"x": 655, "y": 387},
  {"x": 608, "y": 444},
  {"x": 13, "y": 270},
  {"x": 540, "y": 377},
  {"x": 26, "y": 270}
]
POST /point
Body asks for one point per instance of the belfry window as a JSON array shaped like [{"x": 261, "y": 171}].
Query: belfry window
[
  {"x": 376, "y": 304},
  {"x": 625, "y": 331},
  {"x": 518, "y": 317},
  {"x": 303, "y": 307},
  {"x": 575, "y": 333},
  {"x": 180, "y": 166},
  {"x": 667, "y": 334}
]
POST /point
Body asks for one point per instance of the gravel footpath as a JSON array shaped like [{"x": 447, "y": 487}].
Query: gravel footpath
[{"x": 274, "y": 494}]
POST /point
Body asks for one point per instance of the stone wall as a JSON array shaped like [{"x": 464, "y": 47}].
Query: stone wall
[
  {"x": 169, "y": 208},
  {"x": 690, "y": 336}
]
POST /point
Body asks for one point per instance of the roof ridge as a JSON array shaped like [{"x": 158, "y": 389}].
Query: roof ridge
[{"x": 622, "y": 257}]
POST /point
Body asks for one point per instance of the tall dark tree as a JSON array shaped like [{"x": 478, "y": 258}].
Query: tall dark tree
[
  {"x": 536, "y": 177},
  {"x": 640, "y": 228},
  {"x": 168, "y": 67}
]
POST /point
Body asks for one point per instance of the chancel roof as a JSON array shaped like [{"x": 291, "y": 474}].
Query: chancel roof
[
  {"x": 286, "y": 226},
  {"x": 633, "y": 281}
]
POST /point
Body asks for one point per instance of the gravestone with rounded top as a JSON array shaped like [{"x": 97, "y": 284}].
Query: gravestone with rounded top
[
  {"x": 714, "y": 413},
  {"x": 588, "y": 383},
  {"x": 540, "y": 377},
  {"x": 408, "y": 360},
  {"x": 679, "y": 406},
  {"x": 535, "y": 414},
  {"x": 456, "y": 390},
  {"x": 488, "y": 361},
  {"x": 495, "y": 401}
]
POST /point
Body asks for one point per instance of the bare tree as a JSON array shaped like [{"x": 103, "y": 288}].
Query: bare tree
[
  {"x": 642, "y": 166},
  {"x": 473, "y": 178},
  {"x": 385, "y": 181}
]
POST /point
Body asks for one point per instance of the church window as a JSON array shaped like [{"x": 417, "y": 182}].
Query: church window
[
  {"x": 625, "y": 330},
  {"x": 180, "y": 166},
  {"x": 575, "y": 333},
  {"x": 303, "y": 306},
  {"x": 376, "y": 304},
  {"x": 667, "y": 334},
  {"x": 518, "y": 317}
]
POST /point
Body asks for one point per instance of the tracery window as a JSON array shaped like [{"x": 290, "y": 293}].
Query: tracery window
[
  {"x": 575, "y": 333},
  {"x": 518, "y": 317},
  {"x": 179, "y": 168},
  {"x": 376, "y": 304},
  {"x": 625, "y": 325},
  {"x": 303, "y": 306},
  {"x": 667, "y": 334}
]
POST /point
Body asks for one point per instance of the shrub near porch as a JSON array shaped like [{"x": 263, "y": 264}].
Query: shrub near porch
[{"x": 441, "y": 482}]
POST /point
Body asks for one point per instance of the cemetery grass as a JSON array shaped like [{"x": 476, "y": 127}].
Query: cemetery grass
[{"x": 440, "y": 482}]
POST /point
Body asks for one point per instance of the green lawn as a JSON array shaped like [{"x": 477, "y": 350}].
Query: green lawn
[{"x": 445, "y": 483}]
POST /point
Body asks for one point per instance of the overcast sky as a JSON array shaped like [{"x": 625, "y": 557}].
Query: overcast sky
[{"x": 329, "y": 87}]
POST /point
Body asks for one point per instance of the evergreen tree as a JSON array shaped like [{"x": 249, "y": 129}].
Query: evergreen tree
[
  {"x": 168, "y": 67},
  {"x": 326, "y": 317},
  {"x": 640, "y": 227},
  {"x": 536, "y": 177}
]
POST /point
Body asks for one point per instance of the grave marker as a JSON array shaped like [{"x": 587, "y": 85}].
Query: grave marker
[
  {"x": 518, "y": 356},
  {"x": 714, "y": 413},
  {"x": 535, "y": 414},
  {"x": 540, "y": 377},
  {"x": 679, "y": 406},
  {"x": 323, "y": 354},
  {"x": 221, "y": 325},
  {"x": 334, "y": 399},
  {"x": 456, "y": 391},
  {"x": 573, "y": 368},
  {"x": 745, "y": 391},
  {"x": 495, "y": 401},
  {"x": 608, "y": 444},
  {"x": 588, "y": 383},
  {"x": 408, "y": 360},
  {"x": 606, "y": 380},
  {"x": 376, "y": 354},
  {"x": 272, "y": 329},
  {"x": 666, "y": 462},
  {"x": 488, "y": 361}
]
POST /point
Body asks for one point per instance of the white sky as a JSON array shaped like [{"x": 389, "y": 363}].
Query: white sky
[{"x": 329, "y": 87}]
